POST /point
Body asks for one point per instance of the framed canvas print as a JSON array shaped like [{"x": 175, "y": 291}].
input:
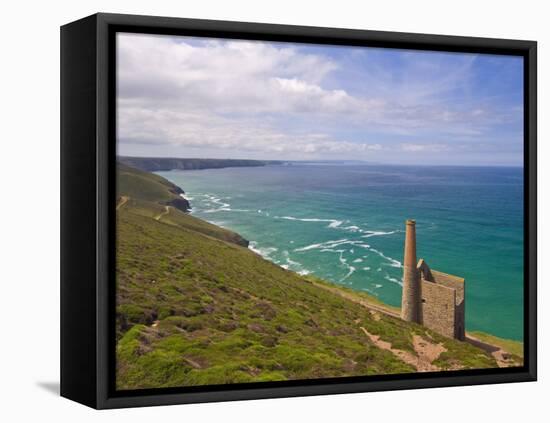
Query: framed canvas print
[{"x": 254, "y": 211}]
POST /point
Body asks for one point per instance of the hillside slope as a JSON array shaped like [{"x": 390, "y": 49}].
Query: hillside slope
[
  {"x": 194, "y": 307},
  {"x": 152, "y": 196}
]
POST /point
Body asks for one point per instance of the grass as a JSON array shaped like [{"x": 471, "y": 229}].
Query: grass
[
  {"x": 145, "y": 186},
  {"x": 149, "y": 194},
  {"x": 509, "y": 345},
  {"x": 196, "y": 307}
]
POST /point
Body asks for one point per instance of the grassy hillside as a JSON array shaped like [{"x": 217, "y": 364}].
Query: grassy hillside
[
  {"x": 195, "y": 306},
  {"x": 152, "y": 196}
]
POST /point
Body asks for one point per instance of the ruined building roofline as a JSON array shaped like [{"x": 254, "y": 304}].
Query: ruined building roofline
[
  {"x": 423, "y": 265},
  {"x": 457, "y": 279}
]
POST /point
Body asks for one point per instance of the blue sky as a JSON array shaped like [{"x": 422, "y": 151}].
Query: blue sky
[{"x": 192, "y": 97}]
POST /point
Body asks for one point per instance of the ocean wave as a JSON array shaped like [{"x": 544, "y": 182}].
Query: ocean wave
[
  {"x": 338, "y": 225},
  {"x": 352, "y": 228},
  {"x": 351, "y": 269},
  {"x": 330, "y": 250},
  {"x": 312, "y": 219},
  {"x": 342, "y": 260},
  {"x": 218, "y": 223},
  {"x": 265, "y": 252},
  {"x": 218, "y": 204},
  {"x": 366, "y": 268},
  {"x": 394, "y": 280},
  {"x": 289, "y": 260},
  {"x": 294, "y": 265},
  {"x": 358, "y": 260},
  {"x": 369, "y": 234},
  {"x": 362, "y": 245},
  {"x": 393, "y": 262},
  {"x": 323, "y": 245},
  {"x": 331, "y": 244},
  {"x": 332, "y": 223}
]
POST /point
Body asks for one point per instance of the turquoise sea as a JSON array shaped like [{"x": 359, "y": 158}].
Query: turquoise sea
[{"x": 345, "y": 223}]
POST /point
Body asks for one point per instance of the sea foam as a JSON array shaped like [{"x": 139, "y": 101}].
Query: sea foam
[
  {"x": 265, "y": 252},
  {"x": 394, "y": 280},
  {"x": 332, "y": 223},
  {"x": 369, "y": 234}
]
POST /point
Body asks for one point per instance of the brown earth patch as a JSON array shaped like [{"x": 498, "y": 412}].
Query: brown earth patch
[{"x": 426, "y": 352}]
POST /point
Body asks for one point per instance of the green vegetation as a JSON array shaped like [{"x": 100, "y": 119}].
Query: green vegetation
[
  {"x": 509, "y": 345},
  {"x": 148, "y": 195},
  {"x": 195, "y": 307},
  {"x": 145, "y": 186}
]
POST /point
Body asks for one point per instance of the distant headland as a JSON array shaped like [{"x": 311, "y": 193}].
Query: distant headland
[{"x": 156, "y": 164}]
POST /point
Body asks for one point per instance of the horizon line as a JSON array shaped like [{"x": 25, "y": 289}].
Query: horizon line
[{"x": 366, "y": 162}]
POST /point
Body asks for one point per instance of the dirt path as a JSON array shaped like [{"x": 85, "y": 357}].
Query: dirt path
[
  {"x": 164, "y": 213},
  {"x": 123, "y": 200},
  {"x": 427, "y": 352},
  {"x": 502, "y": 357}
]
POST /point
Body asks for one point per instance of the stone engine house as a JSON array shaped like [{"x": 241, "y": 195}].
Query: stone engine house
[{"x": 431, "y": 298}]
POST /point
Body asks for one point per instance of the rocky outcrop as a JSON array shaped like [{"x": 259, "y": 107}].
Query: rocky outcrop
[{"x": 179, "y": 203}]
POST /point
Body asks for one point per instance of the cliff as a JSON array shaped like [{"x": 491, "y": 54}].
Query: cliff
[
  {"x": 134, "y": 183},
  {"x": 153, "y": 196},
  {"x": 153, "y": 164}
]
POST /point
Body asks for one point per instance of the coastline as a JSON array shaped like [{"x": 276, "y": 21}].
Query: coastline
[
  {"x": 346, "y": 226},
  {"x": 371, "y": 301},
  {"x": 190, "y": 288},
  {"x": 484, "y": 340}
]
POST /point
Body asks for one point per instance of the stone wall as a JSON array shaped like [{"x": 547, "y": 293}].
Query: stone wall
[
  {"x": 458, "y": 285},
  {"x": 438, "y": 308},
  {"x": 450, "y": 281}
]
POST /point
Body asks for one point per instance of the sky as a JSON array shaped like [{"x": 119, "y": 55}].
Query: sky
[{"x": 216, "y": 98}]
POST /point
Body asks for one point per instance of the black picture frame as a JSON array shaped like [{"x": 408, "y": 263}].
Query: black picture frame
[{"x": 88, "y": 150}]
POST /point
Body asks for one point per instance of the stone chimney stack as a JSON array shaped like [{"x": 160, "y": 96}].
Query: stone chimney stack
[{"x": 411, "y": 299}]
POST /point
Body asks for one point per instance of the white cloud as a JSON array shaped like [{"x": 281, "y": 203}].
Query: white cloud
[
  {"x": 201, "y": 129},
  {"x": 280, "y": 98},
  {"x": 432, "y": 148}
]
